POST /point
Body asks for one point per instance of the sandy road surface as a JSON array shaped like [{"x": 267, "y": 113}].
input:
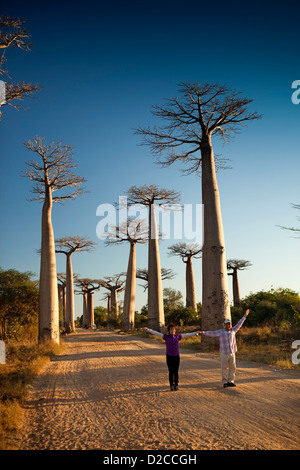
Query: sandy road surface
[{"x": 110, "y": 392}]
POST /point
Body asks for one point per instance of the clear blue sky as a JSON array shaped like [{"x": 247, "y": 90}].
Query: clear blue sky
[{"x": 102, "y": 65}]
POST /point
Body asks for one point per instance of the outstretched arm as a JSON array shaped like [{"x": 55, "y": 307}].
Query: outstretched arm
[
  {"x": 184, "y": 335},
  {"x": 241, "y": 321},
  {"x": 153, "y": 332}
]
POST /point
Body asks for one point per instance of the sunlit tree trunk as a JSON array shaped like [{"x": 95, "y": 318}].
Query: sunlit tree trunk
[
  {"x": 236, "y": 288},
  {"x": 156, "y": 317},
  {"x": 48, "y": 294},
  {"x": 216, "y": 305},
  {"x": 190, "y": 285},
  {"x": 129, "y": 297}
]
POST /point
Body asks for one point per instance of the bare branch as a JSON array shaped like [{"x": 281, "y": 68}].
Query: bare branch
[
  {"x": 239, "y": 264},
  {"x": 150, "y": 194},
  {"x": 132, "y": 231},
  {"x": 201, "y": 111},
  {"x": 185, "y": 251},
  {"x": 55, "y": 171},
  {"x": 68, "y": 245}
]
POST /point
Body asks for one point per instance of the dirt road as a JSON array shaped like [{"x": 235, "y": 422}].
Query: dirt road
[{"x": 110, "y": 392}]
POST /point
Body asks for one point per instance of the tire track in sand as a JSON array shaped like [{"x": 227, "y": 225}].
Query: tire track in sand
[{"x": 111, "y": 391}]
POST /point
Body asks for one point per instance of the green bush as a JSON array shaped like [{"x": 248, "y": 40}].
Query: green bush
[{"x": 276, "y": 307}]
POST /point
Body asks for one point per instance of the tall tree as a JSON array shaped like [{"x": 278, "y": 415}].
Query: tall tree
[
  {"x": 236, "y": 265},
  {"x": 190, "y": 122},
  {"x": 187, "y": 252},
  {"x": 115, "y": 285},
  {"x": 13, "y": 34},
  {"x": 68, "y": 246},
  {"x": 148, "y": 196},
  {"x": 133, "y": 232},
  {"x": 54, "y": 173}
]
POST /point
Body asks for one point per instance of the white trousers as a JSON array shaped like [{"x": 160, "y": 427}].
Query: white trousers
[{"x": 228, "y": 367}]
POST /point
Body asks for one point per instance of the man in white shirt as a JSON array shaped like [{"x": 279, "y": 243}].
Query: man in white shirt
[{"x": 227, "y": 348}]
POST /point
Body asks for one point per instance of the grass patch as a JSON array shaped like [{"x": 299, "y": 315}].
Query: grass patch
[{"x": 23, "y": 363}]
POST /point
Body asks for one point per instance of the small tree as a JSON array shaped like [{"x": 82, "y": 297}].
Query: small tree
[
  {"x": 190, "y": 122},
  {"x": 68, "y": 246},
  {"x": 133, "y": 232},
  {"x": 54, "y": 173},
  {"x": 115, "y": 285},
  {"x": 187, "y": 252},
  {"x": 236, "y": 265},
  {"x": 148, "y": 196},
  {"x": 18, "y": 304},
  {"x": 88, "y": 287},
  {"x": 14, "y": 35}
]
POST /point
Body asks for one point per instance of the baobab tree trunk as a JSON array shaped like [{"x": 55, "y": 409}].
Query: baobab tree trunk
[
  {"x": 156, "y": 317},
  {"x": 69, "y": 323},
  {"x": 62, "y": 304},
  {"x": 84, "y": 310},
  {"x": 216, "y": 305},
  {"x": 236, "y": 289},
  {"x": 129, "y": 297},
  {"x": 190, "y": 285},
  {"x": 108, "y": 307},
  {"x": 90, "y": 309},
  {"x": 48, "y": 296},
  {"x": 114, "y": 303}
]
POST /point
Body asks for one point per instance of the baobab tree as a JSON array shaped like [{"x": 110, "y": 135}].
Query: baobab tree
[
  {"x": 148, "y": 196},
  {"x": 53, "y": 173},
  {"x": 132, "y": 231},
  {"x": 236, "y": 265},
  {"x": 68, "y": 246},
  {"x": 115, "y": 285},
  {"x": 190, "y": 122},
  {"x": 187, "y": 252},
  {"x": 13, "y": 34},
  {"x": 88, "y": 287}
]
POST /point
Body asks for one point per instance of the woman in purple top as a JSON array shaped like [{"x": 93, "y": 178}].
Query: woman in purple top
[{"x": 172, "y": 351}]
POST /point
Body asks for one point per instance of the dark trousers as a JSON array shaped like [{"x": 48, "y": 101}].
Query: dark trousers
[{"x": 173, "y": 366}]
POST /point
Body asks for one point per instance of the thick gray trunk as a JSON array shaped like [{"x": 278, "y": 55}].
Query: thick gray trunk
[
  {"x": 156, "y": 317},
  {"x": 69, "y": 322},
  {"x": 48, "y": 295},
  {"x": 129, "y": 297},
  {"x": 215, "y": 302},
  {"x": 190, "y": 285}
]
